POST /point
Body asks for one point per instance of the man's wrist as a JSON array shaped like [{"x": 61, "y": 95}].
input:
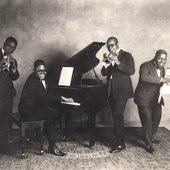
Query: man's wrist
[
  {"x": 14, "y": 70},
  {"x": 118, "y": 63}
]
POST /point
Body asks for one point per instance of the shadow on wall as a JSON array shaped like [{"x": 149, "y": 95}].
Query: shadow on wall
[{"x": 54, "y": 59}]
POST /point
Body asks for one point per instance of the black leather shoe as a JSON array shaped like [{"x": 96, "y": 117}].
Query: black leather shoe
[
  {"x": 149, "y": 149},
  {"x": 55, "y": 151},
  {"x": 155, "y": 141},
  {"x": 117, "y": 148},
  {"x": 91, "y": 143}
]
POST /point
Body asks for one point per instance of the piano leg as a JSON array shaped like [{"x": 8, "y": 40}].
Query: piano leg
[{"x": 92, "y": 129}]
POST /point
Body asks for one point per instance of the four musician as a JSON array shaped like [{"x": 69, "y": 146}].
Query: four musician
[{"x": 118, "y": 65}]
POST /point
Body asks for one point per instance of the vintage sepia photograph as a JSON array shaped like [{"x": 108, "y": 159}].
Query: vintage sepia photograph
[{"x": 84, "y": 85}]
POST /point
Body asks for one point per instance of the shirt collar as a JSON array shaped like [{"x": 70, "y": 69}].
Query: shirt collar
[{"x": 3, "y": 51}]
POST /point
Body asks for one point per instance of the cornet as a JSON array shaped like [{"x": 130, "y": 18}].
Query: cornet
[
  {"x": 6, "y": 63},
  {"x": 107, "y": 59}
]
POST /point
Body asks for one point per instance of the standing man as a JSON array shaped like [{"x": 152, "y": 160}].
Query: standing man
[
  {"x": 151, "y": 77},
  {"x": 118, "y": 65},
  {"x": 8, "y": 73}
]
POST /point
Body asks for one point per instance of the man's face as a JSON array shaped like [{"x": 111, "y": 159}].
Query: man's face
[
  {"x": 41, "y": 72},
  {"x": 9, "y": 47},
  {"x": 161, "y": 60},
  {"x": 112, "y": 46}
]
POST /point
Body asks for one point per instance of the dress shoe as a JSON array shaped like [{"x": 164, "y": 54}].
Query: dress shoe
[
  {"x": 91, "y": 143},
  {"x": 55, "y": 151},
  {"x": 117, "y": 148},
  {"x": 149, "y": 149},
  {"x": 155, "y": 141}
]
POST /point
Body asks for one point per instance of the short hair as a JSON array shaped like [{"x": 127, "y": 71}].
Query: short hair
[
  {"x": 113, "y": 38},
  {"x": 11, "y": 39},
  {"x": 38, "y": 63},
  {"x": 159, "y": 52}
]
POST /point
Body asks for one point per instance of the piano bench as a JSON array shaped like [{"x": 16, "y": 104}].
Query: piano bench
[{"x": 29, "y": 124}]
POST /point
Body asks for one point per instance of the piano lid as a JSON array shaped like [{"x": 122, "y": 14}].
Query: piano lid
[{"x": 85, "y": 60}]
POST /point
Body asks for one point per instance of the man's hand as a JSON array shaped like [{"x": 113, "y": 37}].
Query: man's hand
[
  {"x": 113, "y": 62},
  {"x": 13, "y": 64},
  {"x": 116, "y": 60},
  {"x": 165, "y": 80},
  {"x": 105, "y": 61},
  {"x": 106, "y": 64},
  {"x": 13, "y": 69},
  {"x": 67, "y": 99}
]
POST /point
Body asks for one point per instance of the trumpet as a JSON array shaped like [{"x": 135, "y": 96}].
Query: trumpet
[
  {"x": 6, "y": 63},
  {"x": 107, "y": 59}
]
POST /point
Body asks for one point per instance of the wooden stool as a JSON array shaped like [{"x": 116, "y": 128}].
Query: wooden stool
[{"x": 24, "y": 124}]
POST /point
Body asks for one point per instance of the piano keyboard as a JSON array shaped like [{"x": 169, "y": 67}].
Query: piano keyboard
[{"x": 71, "y": 103}]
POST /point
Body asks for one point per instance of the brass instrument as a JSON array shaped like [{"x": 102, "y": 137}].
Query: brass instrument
[
  {"x": 6, "y": 63},
  {"x": 107, "y": 59}
]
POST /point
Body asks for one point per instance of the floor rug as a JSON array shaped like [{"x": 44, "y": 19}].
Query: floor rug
[{"x": 79, "y": 156}]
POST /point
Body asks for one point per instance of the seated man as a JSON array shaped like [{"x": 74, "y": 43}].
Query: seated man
[{"x": 32, "y": 104}]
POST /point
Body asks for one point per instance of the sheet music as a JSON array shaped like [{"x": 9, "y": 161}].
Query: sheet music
[
  {"x": 66, "y": 76},
  {"x": 167, "y": 74},
  {"x": 165, "y": 89}
]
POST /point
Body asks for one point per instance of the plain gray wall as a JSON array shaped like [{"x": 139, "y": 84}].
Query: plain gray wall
[{"x": 55, "y": 30}]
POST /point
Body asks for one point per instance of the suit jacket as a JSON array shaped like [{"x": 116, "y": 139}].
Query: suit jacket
[
  {"x": 119, "y": 76},
  {"x": 6, "y": 81},
  {"x": 32, "y": 102},
  {"x": 147, "y": 90}
]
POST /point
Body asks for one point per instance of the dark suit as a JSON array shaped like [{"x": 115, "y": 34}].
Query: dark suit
[
  {"x": 119, "y": 90},
  {"x": 37, "y": 104},
  {"x": 53, "y": 104},
  {"x": 32, "y": 103},
  {"x": 146, "y": 98},
  {"x": 7, "y": 93}
]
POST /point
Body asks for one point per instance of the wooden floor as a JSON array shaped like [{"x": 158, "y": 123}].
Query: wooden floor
[{"x": 78, "y": 157}]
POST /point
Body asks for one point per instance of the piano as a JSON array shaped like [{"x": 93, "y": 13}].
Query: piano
[{"x": 88, "y": 94}]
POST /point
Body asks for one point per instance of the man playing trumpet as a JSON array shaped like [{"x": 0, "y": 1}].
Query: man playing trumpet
[
  {"x": 118, "y": 65},
  {"x": 8, "y": 73}
]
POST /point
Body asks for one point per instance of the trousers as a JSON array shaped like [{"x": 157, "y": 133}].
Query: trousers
[{"x": 150, "y": 118}]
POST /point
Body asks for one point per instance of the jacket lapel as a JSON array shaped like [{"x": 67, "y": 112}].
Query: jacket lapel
[
  {"x": 1, "y": 55},
  {"x": 154, "y": 70},
  {"x": 119, "y": 55}
]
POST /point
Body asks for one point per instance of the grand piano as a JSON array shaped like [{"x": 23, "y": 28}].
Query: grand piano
[{"x": 88, "y": 94}]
